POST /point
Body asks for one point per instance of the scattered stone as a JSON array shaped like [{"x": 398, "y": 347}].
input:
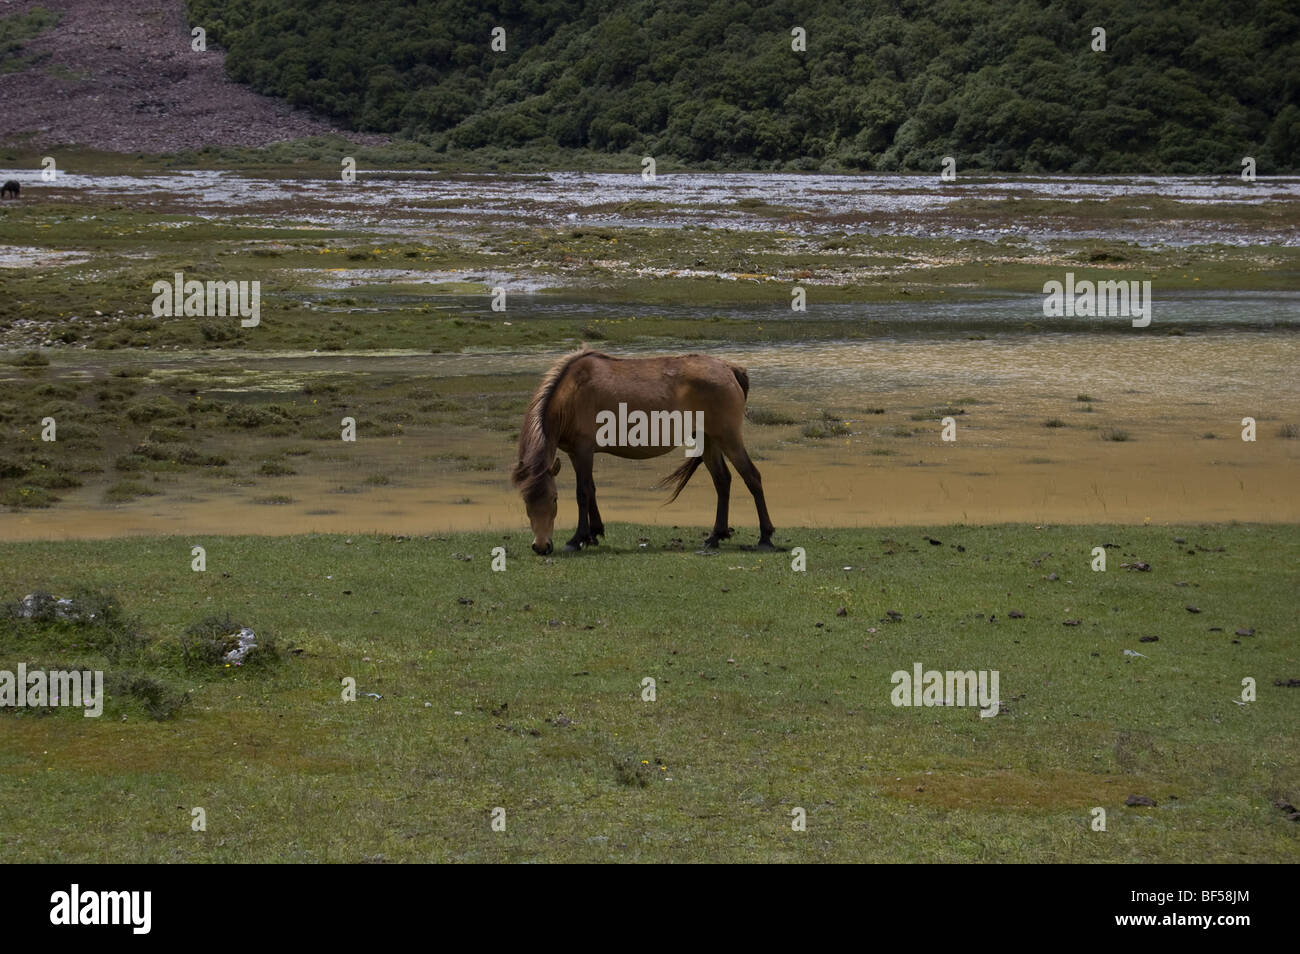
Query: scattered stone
[
  {"x": 40, "y": 605},
  {"x": 1244, "y": 631},
  {"x": 465, "y": 601},
  {"x": 1148, "y": 639},
  {"x": 1289, "y": 684},
  {"x": 245, "y": 643},
  {"x": 1135, "y": 800},
  {"x": 1136, "y": 565},
  {"x": 1072, "y": 622},
  {"x": 842, "y": 611},
  {"x": 1192, "y": 609},
  {"x": 1015, "y": 614}
]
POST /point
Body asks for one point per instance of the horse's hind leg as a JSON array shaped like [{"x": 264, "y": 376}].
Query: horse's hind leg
[
  {"x": 739, "y": 458},
  {"x": 717, "y": 465}
]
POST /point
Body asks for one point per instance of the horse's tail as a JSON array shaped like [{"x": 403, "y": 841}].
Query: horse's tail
[
  {"x": 679, "y": 478},
  {"x": 742, "y": 378}
]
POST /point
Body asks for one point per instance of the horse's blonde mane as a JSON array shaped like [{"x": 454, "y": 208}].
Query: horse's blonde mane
[{"x": 532, "y": 465}]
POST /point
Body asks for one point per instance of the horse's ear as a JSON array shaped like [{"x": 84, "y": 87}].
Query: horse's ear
[{"x": 555, "y": 468}]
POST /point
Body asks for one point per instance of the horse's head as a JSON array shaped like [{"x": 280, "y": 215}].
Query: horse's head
[{"x": 542, "y": 500}]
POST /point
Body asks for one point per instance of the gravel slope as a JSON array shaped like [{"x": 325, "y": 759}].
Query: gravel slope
[{"x": 120, "y": 76}]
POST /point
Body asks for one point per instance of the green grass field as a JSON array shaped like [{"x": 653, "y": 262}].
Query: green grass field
[{"x": 523, "y": 689}]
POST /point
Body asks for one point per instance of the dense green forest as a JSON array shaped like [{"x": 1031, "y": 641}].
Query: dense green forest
[{"x": 1182, "y": 86}]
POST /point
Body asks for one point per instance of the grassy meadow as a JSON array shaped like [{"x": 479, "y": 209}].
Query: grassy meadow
[{"x": 522, "y": 689}]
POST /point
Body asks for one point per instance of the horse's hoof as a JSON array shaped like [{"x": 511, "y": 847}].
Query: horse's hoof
[
  {"x": 764, "y": 545},
  {"x": 571, "y": 548},
  {"x": 711, "y": 543}
]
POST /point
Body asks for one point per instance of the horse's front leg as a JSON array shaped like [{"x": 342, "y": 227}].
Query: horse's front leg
[
  {"x": 597, "y": 525},
  {"x": 582, "y": 464}
]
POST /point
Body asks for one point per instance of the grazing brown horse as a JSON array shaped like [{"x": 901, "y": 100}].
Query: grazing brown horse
[
  {"x": 10, "y": 187},
  {"x": 575, "y": 409}
]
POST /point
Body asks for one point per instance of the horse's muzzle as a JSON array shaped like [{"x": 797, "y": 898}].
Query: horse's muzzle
[{"x": 544, "y": 551}]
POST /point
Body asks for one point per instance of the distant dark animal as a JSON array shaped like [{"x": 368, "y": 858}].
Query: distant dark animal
[
  {"x": 9, "y": 188},
  {"x": 583, "y": 387}
]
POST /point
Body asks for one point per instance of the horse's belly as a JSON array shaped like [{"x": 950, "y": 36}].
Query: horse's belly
[{"x": 637, "y": 453}]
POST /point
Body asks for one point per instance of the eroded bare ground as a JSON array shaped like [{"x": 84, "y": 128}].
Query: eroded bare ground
[
  {"x": 857, "y": 443},
  {"x": 121, "y": 76}
]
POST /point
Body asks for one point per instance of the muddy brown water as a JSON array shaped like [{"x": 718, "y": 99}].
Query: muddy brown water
[{"x": 1167, "y": 394}]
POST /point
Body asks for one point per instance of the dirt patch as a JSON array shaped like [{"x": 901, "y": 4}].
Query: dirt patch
[
  {"x": 1180, "y": 401},
  {"x": 1054, "y": 790}
]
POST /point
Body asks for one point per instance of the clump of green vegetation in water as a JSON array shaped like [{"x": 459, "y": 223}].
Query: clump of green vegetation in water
[
  {"x": 938, "y": 413},
  {"x": 764, "y": 417},
  {"x": 29, "y": 359},
  {"x": 124, "y": 491},
  {"x": 28, "y": 497},
  {"x": 829, "y": 426}
]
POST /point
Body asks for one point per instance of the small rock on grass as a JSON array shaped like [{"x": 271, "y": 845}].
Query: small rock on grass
[{"x": 1140, "y": 800}]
